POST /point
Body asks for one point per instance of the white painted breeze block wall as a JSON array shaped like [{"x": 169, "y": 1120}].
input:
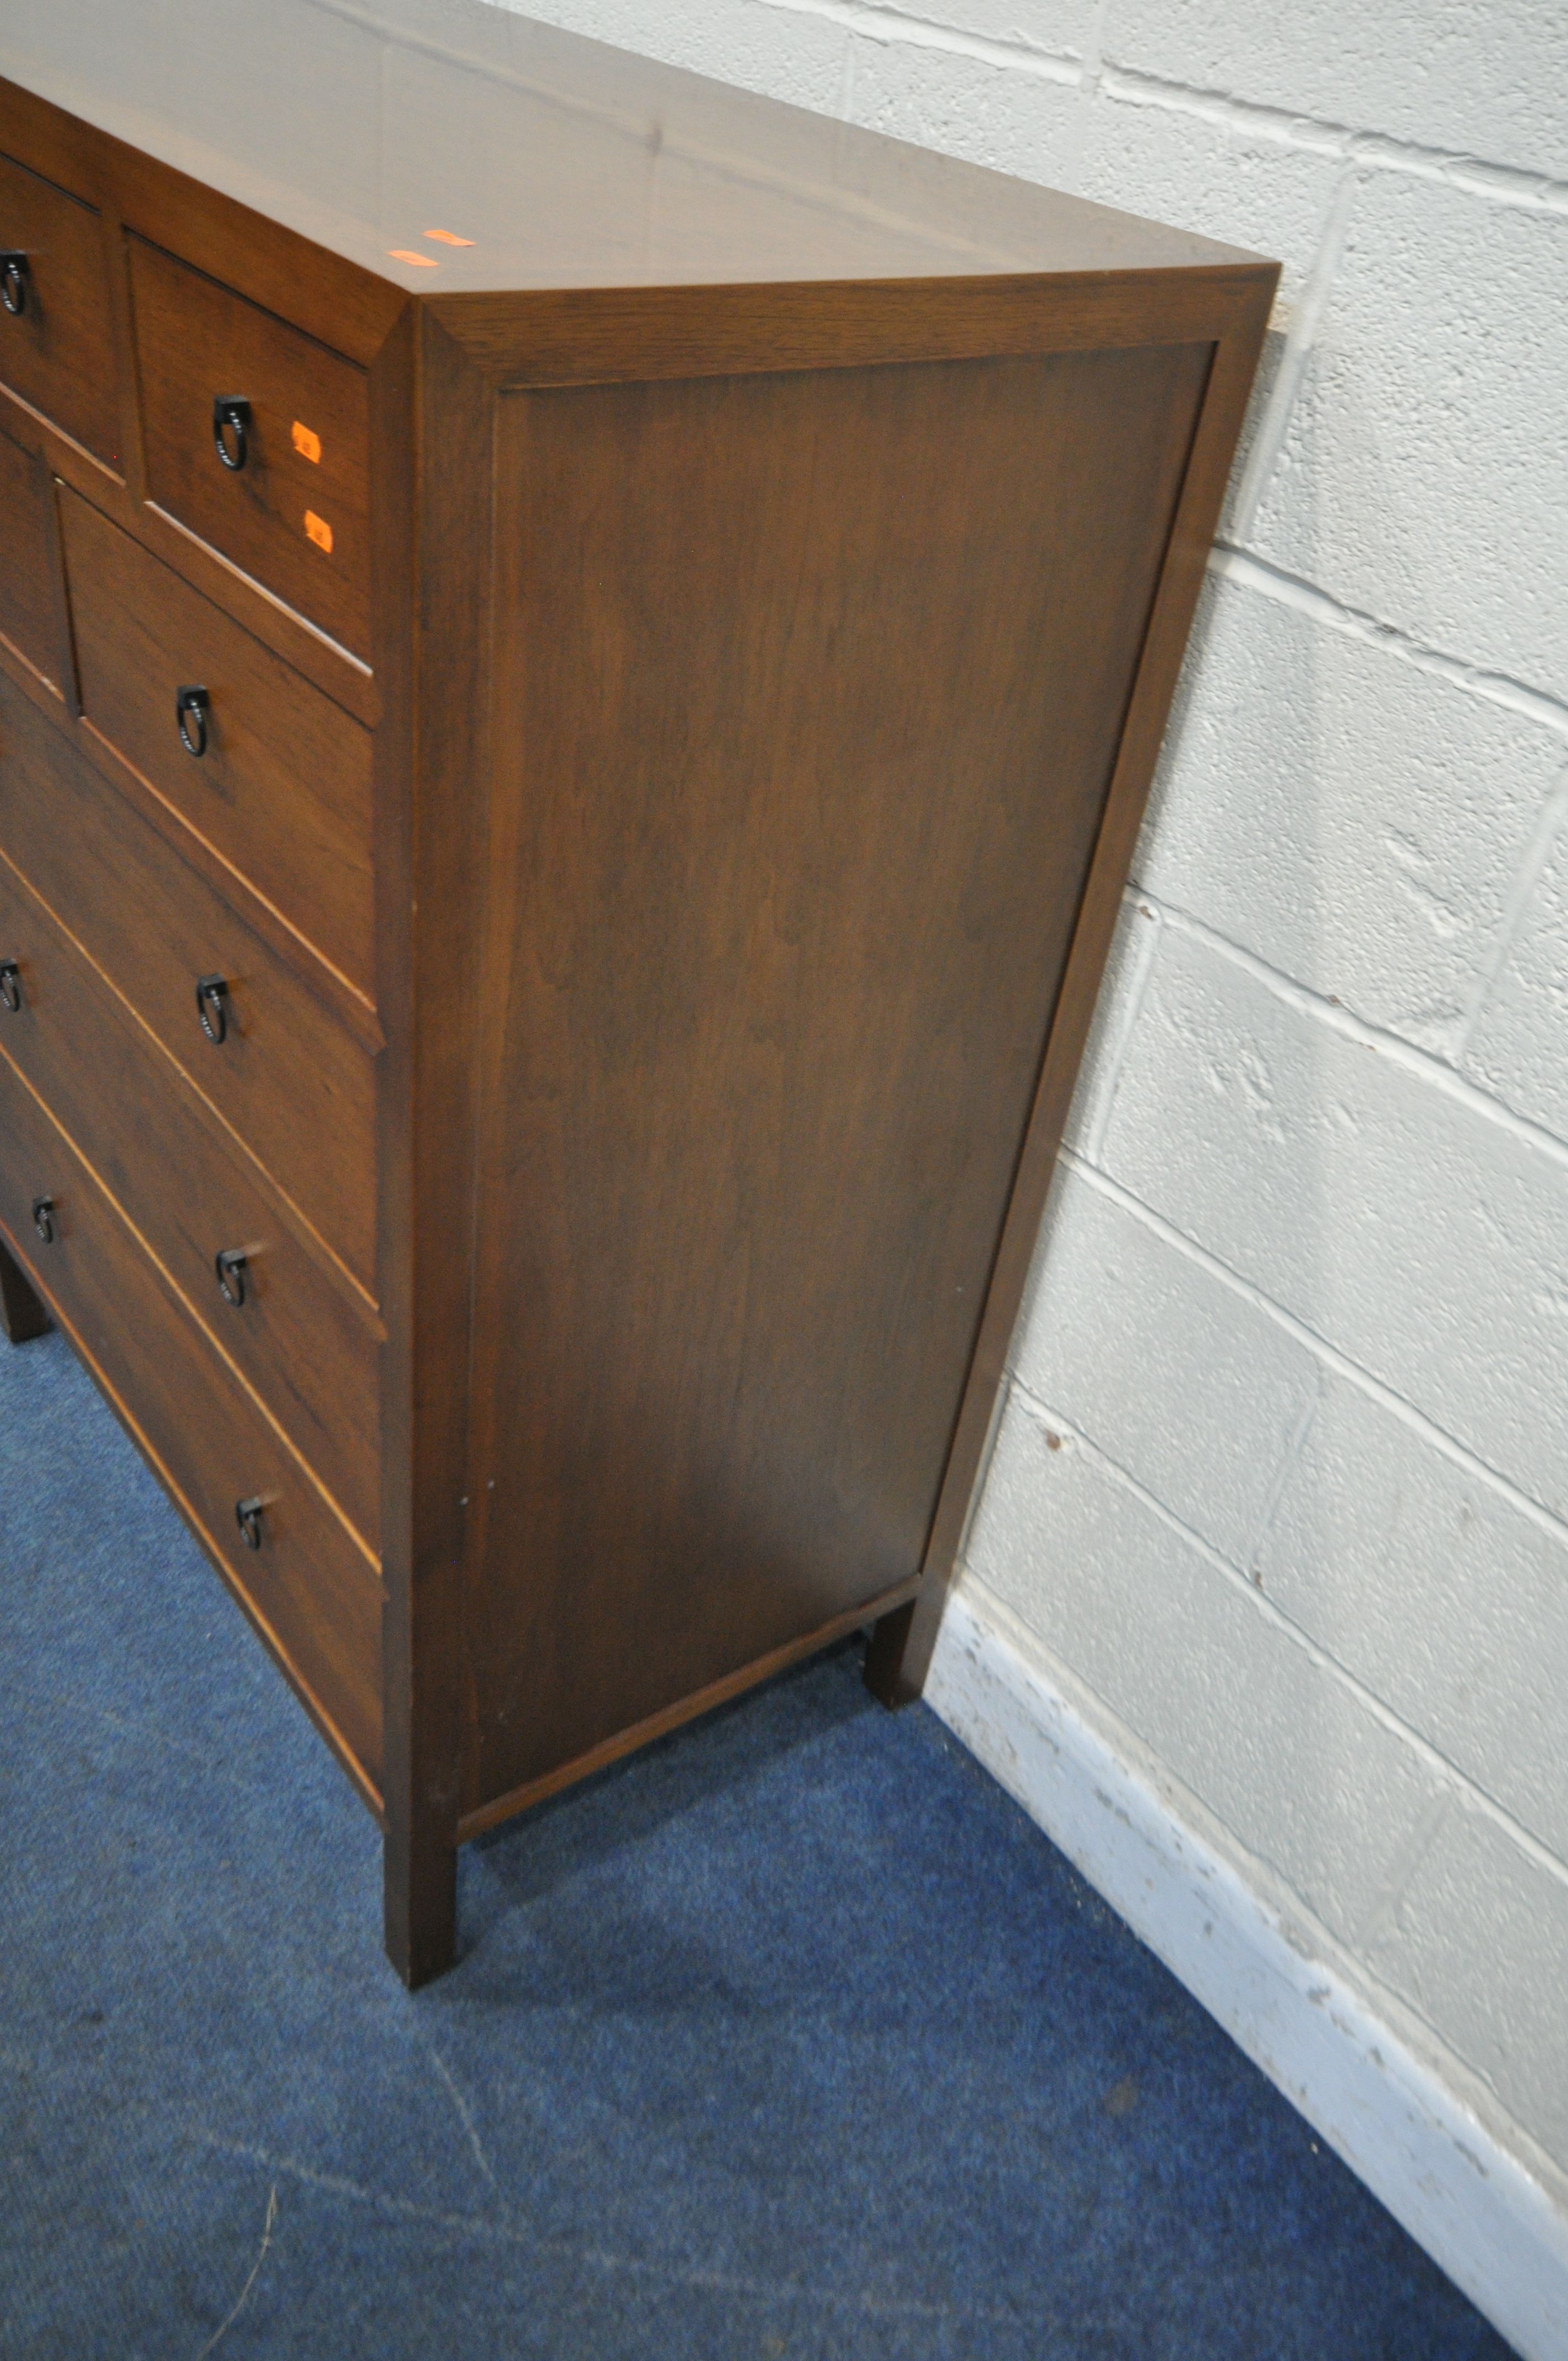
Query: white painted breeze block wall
[{"x": 1276, "y": 1522}]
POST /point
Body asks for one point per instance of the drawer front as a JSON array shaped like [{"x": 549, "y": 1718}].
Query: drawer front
[
  {"x": 295, "y": 514},
  {"x": 287, "y": 1076},
  {"x": 295, "y": 1334},
  {"x": 280, "y": 784},
  {"x": 58, "y": 349},
  {"x": 29, "y": 611},
  {"x": 307, "y": 1584}
]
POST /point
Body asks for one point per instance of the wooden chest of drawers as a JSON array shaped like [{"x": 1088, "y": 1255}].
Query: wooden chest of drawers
[{"x": 580, "y": 656}]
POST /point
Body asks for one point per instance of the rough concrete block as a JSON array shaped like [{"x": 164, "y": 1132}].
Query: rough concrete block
[
  {"x": 1411, "y": 479},
  {"x": 1170, "y": 1373},
  {"x": 1442, "y": 1597},
  {"x": 1132, "y": 947},
  {"x": 1014, "y": 122},
  {"x": 1478, "y": 1942},
  {"x": 1454, "y": 74},
  {"x": 784, "y": 54},
  {"x": 1271, "y": 1743},
  {"x": 1061, "y": 28},
  {"x": 1393, "y": 1216},
  {"x": 1356, "y": 821},
  {"x": 1519, "y": 1045},
  {"x": 1223, "y": 181}
]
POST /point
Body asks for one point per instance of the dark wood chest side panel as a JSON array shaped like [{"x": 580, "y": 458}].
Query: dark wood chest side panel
[{"x": 808, "y": 690}]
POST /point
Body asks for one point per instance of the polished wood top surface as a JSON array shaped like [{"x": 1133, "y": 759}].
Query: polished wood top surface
[{"x": 557, "y": 161}]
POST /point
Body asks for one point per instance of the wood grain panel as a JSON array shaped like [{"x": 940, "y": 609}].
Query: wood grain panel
[
  {"x": 295, "y": 1088},
  {"x": 307, "y": 1587},
  {"x": 29, "y": 611},
  {"x": 197, "y": 340},
  {"x": 808, "y": 693},
  {"x": 301, "y": 1338},
  {"x": 282, "y": 791},
  {"x": 58, "y": 354}
]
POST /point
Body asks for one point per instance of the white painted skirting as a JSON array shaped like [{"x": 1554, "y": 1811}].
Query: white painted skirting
[{"x": 1492, "y": 2227}]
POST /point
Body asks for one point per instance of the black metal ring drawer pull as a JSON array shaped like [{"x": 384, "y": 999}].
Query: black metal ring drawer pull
[
  {"x": 247, "y": 1516},
  {"x": 14, "y": 273},
  {"x": 231, "y": 1266},
  {"x": 10, "y": 985},
  {"x": 43, "y": 1219},
  {"x": 213, "y": 1008},
  {"x": 231, "y": 429},
  {"x": 193, "y": 706}
]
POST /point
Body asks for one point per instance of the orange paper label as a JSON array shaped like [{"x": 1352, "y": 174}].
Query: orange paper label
[
  {"x": 447, "y": 238},
  {"x": 406, "y": 254},
  {"x": 319, "y": 531},
  {"x": 307, "y": 444}
]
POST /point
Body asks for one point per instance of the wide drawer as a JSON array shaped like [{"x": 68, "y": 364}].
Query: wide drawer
[
  {"x": 271, "y": 773},
  {"x": 307, "y": 1585},
  {"x": 57, "y": 346},
  {"x": 30, "y": 608},
  {"x": 287, "y": 1076},
  {"x": 300, "y": 1337},
  {"x": 291, "y": 504}
]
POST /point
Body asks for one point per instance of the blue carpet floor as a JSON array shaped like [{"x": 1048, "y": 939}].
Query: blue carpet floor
[{"x": 790, "y": 2037}]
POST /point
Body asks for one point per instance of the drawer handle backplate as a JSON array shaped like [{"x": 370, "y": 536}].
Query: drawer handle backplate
[
  {"x": 14, "y": 273},
  {"x": 43, "y": 1219},
  {"x": 231, "y": 429},
  {"x": 231, "y": 1266},
  {"x": 247, "y": 1516},
  {"x": 213, "y": 1008},
  {"x": 10, "y": 986},
  {"x": 191, "y": 707}
]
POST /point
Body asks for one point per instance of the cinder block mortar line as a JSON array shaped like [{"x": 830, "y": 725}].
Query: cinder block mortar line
[
  {"x": 1553, "y": 816},
  {"x": 1350, "y": 1027},
  {"x": 1306, "y": 1931},
  {"x": 1235, "y": 564},
  {"x": 1459, "y": 1455},
  {"x": 1456, "y": 1781},
  {"x": 1094, "y": 57},
  {"x": 1481, "y": 175},
  {"x": 878, "y": 22}
]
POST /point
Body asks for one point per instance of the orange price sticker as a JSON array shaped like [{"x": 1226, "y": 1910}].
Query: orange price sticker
[
  {"x": 307, "y": 444},
  {"x": 319, "y": 531}
]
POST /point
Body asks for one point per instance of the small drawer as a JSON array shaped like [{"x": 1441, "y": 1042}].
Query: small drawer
[
  {"x": 297, "y": 1335},
  {"x": 57, "y": 345},
  {"x": 286, "y": 495},
  {"x": 272, "y": 773},
  {"x": 308, "y": 1586},
  {"x": 284, "y": 1072},
  {"x": 30, "y": 608}
]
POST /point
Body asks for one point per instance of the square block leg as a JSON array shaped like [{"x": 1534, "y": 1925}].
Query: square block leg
[{"x": 22, "y": 1316}]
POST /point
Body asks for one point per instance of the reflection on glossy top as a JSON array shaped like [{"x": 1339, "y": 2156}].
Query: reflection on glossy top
[{"x": 449, "y": 145}]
